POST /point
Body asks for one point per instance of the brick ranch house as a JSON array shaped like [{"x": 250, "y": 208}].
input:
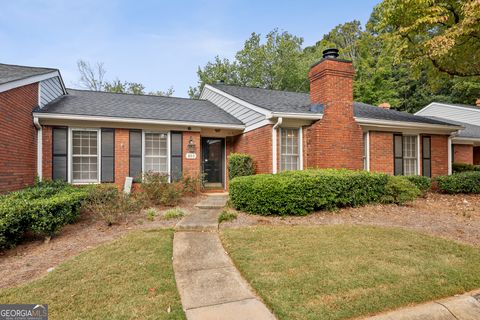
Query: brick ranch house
[{"x": 89, "y": 137}]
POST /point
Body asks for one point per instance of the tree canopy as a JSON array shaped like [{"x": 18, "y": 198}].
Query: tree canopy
[{"x": 410, "y": 53}]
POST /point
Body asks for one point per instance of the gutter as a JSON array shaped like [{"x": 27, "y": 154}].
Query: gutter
[
  {"x": 59, "y": 116},
  {"x": 37, "y": 124},
  {"x": 274, "y": 144}
]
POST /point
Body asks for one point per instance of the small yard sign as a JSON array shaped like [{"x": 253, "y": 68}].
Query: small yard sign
[{"x": 127, "y": 188}]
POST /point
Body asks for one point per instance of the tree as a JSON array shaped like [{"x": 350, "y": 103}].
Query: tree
[
  {"x": 91, "y": 77},
  {"x": 344, "y": 37},
  {"x": 272, "y": 64},
  {"x": 443, "y": 33}
]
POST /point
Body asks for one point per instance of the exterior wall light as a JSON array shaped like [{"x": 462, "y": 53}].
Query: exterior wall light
[{"x": 191, "y": 145}]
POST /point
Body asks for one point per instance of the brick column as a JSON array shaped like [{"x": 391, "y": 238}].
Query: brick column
[
  {"x": 191, "y": 167},
  {"x": 381, "y": 152},
  {"x": 121, "y": 156},
  {"x": 47, "y": 152}
]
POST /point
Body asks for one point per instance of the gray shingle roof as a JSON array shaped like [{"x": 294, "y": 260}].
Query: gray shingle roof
[
  {"x": 95, "y": 103},
  {"x": 299, "y": 102},
  {"x": 10, "y": 72},
  {"x": 470, "y": 131}
]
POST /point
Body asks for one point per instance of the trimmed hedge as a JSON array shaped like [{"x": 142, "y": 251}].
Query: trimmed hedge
[
  {"x": 423, "y": 183},
  {"x": 464, "y": 167},
  {"x": 302, "y": 192},
  {"x": 43, "y": 209},
  {"x": 465, "y": 182},
  {"x": 239, "y": 165}
]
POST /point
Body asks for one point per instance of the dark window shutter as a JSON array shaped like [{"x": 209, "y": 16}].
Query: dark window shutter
[
  {"x": 398, "y": 154},
  {"x": 135, "y": 150},
  {"x": 108, "y": 155},
  {"x": 176, "y": 155},
  {"x": 60, "y": 153},
  {"x": 426, "y": 157}
]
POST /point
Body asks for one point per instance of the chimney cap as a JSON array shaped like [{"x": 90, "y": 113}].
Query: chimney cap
[{"x": 331, "y": 53}]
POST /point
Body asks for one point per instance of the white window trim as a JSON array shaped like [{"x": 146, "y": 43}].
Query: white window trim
[
  {"x": 300, "y": 164},
  {"x": 70, "y": 155},
  {"x": 169, "y": 165},
  {"x": 419, "y": 165}
]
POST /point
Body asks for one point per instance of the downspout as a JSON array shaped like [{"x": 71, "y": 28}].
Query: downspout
[
  {"x": 37, "y": 124},
  {"x": 274, "y": 144},
  {"x": 449, "y": 146}
]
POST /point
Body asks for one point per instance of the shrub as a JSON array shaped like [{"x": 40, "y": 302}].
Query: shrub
[
  {"x": 465, "y": 182},
  {"x": 157, "y": 190},
  {"x": 400, "y": 190},
  {"x": 464, "y": 167},
  {"x": 301, "y": 192},
  {"x": 422, "y": 183},
  {"x": 227, "y": 215},
  {"x": 193, "y": 185},
  {"x": 240, "y": 165},
  {"x": 151, "y": 213},
  {"x": 110, "y": 205},
  {"x": 174, "y": 213},
  {"x": 43, "y": 208}
]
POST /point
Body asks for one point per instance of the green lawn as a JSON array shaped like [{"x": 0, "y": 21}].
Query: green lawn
[
  {"x": 131, "y": 278},
  {"x": 339, "y": 272}
]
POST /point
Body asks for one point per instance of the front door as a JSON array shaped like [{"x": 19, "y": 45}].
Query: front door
[{"x": 213, "y": 150}]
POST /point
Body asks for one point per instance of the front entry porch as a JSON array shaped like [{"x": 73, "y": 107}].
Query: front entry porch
[{"x": 213, "y": 162}]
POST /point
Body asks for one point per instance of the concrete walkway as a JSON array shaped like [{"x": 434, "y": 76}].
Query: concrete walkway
[
  {"x": 209, "y": 284},
  {"x": 464, "y": 307}
]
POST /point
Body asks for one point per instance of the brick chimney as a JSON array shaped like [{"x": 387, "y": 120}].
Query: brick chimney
[
  {"x": 478, "y": 102},
  {"x": 335, "y": 141},
  {"x": 384, "y": 105}
]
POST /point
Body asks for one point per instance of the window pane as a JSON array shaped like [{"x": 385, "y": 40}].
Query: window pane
[
  {"x": 289, "y": 149},
  {"x": 156, "y": 152},
  {"x": 85, "y": 156},
  {"x": 410, "y": 155},
  {"x": 426, "y": 147}
]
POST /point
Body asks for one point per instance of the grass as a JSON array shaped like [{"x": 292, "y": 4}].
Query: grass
[
  {"x": 173, "y": 213},
  {"x": 227, "y": 215},
  {"x": 131, "y": 278},
  {"x": 151, "y": 213},
  {"x": 339, "y": 272}
]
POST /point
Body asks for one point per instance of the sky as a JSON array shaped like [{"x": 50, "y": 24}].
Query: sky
[{"x": 157, "y": 43}]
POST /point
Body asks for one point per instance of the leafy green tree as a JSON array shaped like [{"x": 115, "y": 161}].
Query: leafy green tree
[{"x": 443, "y": 33}]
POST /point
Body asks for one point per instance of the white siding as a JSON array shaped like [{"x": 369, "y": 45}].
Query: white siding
[
  {"x": 455, "y": 113},
  {"x": 244, "y": 114},
  {"x": 50, "y": 89}
]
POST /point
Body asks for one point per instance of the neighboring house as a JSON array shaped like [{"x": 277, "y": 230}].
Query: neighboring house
[
  {"x": 465, "y": 143},
  {"x": 90, "y": 137}
]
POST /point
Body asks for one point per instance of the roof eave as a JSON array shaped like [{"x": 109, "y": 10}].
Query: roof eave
[
  {"x": 32, "y": 79},
  {"x": 61, "y": 116},
  {"x": 407, "y": 124}
]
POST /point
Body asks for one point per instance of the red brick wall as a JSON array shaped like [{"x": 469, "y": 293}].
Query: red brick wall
[
  {"x": 439, "y": 154},
  {"x": 335, "y": 141},
  {"x": 122, "y": 157},
  {"x": 381, "y": 152},
  {"x": 258, "y": 144},
  {"x": 476, "y": 155},
  {"x": 17, "y": 138},
  {"x": 463, "y": 153},
  {"x": 47, "y": 139},
  {"x": 191, "y": 167}
]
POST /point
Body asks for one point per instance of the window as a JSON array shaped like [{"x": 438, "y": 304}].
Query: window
[
  {"x": 84, "y": 156},
  {"x": 156, "y": 155},
  {"x": 289, "y": 149},
  {"x": 410, "y": 155},
  {"x": 426, "y": 157}
]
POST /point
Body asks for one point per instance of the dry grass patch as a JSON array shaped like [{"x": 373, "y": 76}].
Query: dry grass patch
[
  {"x": 340, "y": 272},
  {"x": 131, "y": 278}
]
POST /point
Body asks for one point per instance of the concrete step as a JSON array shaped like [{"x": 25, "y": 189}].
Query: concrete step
[
  {"x": 213, "y": 202},
  {"x": 199, "y": 220}
]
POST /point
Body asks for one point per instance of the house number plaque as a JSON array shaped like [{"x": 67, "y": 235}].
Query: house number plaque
[{"x": 191, "y": 156}]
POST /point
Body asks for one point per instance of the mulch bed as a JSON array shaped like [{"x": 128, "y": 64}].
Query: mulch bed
[
  {"x": 34, "y": 257},
  {"x": 456, "y": 217}
]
